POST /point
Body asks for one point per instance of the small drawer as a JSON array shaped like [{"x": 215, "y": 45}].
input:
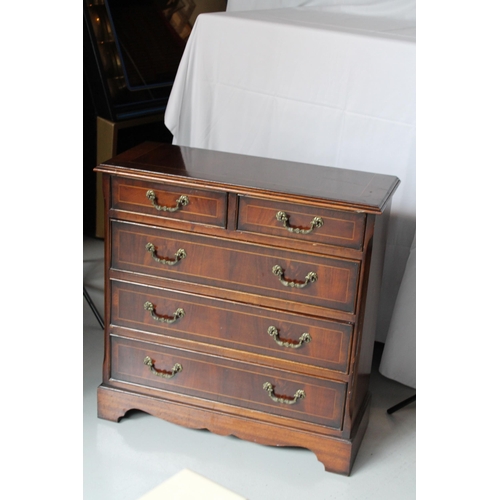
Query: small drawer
[
  {"x": 287, "y": 337},
  {"x": 235, "y": 383},
  {"x": 171, "y": 202},
  {"x": 263, "y": 271},
  {"x": 289, "y": 220}
]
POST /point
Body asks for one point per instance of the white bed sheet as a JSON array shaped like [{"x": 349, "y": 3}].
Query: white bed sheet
[
  {"x": 402, "y": 9},
  {"x": 399, "y": 356},
  {"x": 312, "y": 85}
]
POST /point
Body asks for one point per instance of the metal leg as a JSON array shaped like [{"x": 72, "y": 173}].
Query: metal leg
[
  {"x": 93, "y": 307},
  {"x": 402, "y": 404}
]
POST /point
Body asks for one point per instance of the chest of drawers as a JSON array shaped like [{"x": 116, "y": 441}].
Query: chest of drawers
[{"x": 241, "y": 295}]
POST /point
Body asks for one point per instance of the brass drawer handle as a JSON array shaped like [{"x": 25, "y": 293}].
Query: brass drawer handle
[
  {"x": 310, "y": 278},
  {"x": 300, "y": 394},
  {"x": 164, "y": 374},
  {"x": 181, "y": 202},
  {"x": 304, "y": 338},
  {"x": 315, "y": 223},
  {"x": 148, "y": 306},
  {"x": 179, "y": 255}
]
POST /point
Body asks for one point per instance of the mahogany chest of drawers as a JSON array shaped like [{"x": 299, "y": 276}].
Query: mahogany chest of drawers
[{"x": 241, "y": 295}]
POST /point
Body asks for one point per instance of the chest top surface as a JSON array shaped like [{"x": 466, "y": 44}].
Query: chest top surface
[{"x": 351, "y": 189}]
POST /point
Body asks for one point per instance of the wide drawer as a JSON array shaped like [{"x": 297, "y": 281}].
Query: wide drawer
[
  {"x": 235, "y": 383},
  {"x": 171, "y": 202},
  {"x": 293, "y": 221},
  {"x": 222, "y": 323},
  {"x": 268, "y": 272}
]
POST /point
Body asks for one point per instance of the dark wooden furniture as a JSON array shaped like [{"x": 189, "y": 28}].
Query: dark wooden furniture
[{"x": 241, "y": 295}]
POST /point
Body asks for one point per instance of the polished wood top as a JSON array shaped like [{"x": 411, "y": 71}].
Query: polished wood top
[{"x": 349, "y": 189}]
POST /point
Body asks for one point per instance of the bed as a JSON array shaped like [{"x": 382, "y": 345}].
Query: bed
[{"x": 324, "y": 82}]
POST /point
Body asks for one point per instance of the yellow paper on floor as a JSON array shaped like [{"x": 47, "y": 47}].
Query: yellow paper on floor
[{"x": 187, "y": 485}]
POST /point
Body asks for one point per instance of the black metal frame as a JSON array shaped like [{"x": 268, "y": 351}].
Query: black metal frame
[
  {"x": 93, "y": 307},
  {"x": 402, "y": 404}
]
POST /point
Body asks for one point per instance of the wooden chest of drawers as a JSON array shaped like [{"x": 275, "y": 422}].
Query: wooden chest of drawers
[{"x": 241, "y": 295}]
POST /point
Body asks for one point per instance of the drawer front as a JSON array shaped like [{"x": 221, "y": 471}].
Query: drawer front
[
  {"x": 292, "y": 221},
  {"x": 171, "y": 202},
  {"x": 237, "y": 326},
  {"x": 225, "y": 381},
  {"x": 268, "y": 272}
]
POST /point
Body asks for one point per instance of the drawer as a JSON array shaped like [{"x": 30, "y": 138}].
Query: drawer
[
  {"x": 292, "y": 221},
  {"x": 246, "y": 328},
  {"x": 234, "y": 383},
  {"x": 171, "y": 202},
  {"x": 264, "y": 271}
]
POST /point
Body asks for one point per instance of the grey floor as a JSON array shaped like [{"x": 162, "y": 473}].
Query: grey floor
[{"x": 125, "y": 460}]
